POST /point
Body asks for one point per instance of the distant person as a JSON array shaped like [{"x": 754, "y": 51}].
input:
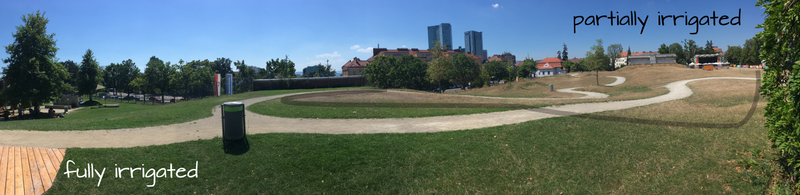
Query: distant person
[
  {"x": 81, "y": 100},
  {"x": 51, "y": 112}
]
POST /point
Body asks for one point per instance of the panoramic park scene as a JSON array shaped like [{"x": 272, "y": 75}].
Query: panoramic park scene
[{"x": 383, "y": 97}]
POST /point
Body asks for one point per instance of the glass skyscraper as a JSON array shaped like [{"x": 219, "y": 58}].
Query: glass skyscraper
[
  {"x": 473, "y": 41},
  {"x": 441, "y": 33}
]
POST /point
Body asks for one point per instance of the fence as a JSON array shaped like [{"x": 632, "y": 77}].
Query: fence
[{"x": 308, "y": 83}]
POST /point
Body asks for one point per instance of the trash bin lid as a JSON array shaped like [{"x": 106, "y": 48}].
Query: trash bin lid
[{"x": 232, "y": 104}]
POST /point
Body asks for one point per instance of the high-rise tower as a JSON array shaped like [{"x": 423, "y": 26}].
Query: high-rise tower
[{"x": 442, "y": 33}]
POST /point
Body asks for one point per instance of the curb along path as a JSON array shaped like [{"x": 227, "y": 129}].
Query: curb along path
[{"x": 210, "y": 127}]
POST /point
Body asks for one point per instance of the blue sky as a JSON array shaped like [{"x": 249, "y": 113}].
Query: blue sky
[{"x": 311, "y": 32}]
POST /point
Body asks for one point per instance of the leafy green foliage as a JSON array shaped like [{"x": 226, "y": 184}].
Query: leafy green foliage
[
  {"x": 158, "y": 76},
  {"x": 32, "y": 71},
  {"x": 378, "y": 72},
  {"x": 89, "y": 75},
  {"x": 596, "y": 59},
  {"x": 279, "y": 68},
  {"x": 613, "y": 53},
  {"x": 222, "y": 66},
  {"x": 437, "y": 68},
  {"x": 564, "y": 53},
  {"x": 734, "y": 54},
  {"x": 464, "y": 69},
  {"x": 529, "y": 67},
  {"x": 496, "y": 70},
  {"x": 412, "y": 73},
  {"x": 781, "y": 82},
  {"x": 195, "y": 76},
  {"x": 72, "y": 70}
]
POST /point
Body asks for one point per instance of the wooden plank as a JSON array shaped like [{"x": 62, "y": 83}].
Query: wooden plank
[
  {"x": 3, "y": 165},
  {"x": 51, "y": 171},
  {"x": 36, "y": 177},
  {"x": 56, "y": 162},
  {"x": 10, "y": 171},
  {"x": 27, "y": 184},
  {"x": 46, "y": 180},
  {"x": 19, "y": 184},
  {"x": 63, "y": 151},
  {"x": 58, "y": 155}
]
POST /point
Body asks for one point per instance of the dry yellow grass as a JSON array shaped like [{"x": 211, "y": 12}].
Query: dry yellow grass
[
  {"x": 641, "y": 82},
  {"x": 713, "y": 101}
]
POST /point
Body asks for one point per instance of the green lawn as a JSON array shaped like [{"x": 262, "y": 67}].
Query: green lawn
[
  {"x": 130, "y": 115},
  {"x": 277, "y": 108},
  {"x": 566, "y": 154}
]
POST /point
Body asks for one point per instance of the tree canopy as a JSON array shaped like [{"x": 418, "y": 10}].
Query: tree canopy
[
  {"x": 528, "y": 67},
  {"x": 781, "y": 82},
  {"x": 157, "y": 76},
  {"x": 596, "y": 59},
  {"x": 89, "y": 75},
  {"x": 496, "y": 70},
  {"x": 32, "y": 71}
]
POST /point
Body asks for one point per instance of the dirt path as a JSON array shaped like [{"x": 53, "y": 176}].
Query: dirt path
[{"x": 208, "y": 128}]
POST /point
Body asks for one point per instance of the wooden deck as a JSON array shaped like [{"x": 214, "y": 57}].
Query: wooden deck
[{"x": 28, "y": 170}]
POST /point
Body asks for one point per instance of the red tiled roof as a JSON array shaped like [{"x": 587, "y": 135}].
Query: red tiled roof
[
  {"x": 718, "y": 50},
  {"x": 549, "y": 63},
  {"x": 355, "y": 63},
  {"x": 518, "y": 63},
  {"x": 576, "y": 60}
]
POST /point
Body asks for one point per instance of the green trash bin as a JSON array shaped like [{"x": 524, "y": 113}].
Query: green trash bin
[
  {"x": 233, "y": 125},
  {"x": 551, "y": 87}
]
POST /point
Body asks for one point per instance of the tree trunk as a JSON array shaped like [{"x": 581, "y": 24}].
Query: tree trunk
[
  {"x": 35, "y": 113},
  {"x": 597, "y": 76}
]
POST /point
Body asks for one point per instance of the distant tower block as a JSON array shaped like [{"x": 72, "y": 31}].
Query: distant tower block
[{"x": 441, "y": 33}]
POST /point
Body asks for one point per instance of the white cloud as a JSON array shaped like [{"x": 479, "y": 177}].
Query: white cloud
[
  {"x": 335, "y": 54},
  {"x": 355, "y": 47},
  {"x": 403, "y": 46},
  {"x": 365, "y": 50},
  {"x": 495, "y": 5}
]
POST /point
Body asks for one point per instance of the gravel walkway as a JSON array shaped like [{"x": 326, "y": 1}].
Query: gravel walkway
[{"x": 208, "y": 128}]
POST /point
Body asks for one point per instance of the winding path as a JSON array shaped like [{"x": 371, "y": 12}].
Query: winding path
[{"x": 210, "y": 127}]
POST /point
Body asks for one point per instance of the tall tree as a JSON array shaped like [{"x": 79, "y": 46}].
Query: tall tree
[
  {"x": 781, "y": 82},
  {"x": 222, "y": 66},
  {"x": 32, "y": 71},
  {"x": 751, "y": 50},
  {"x": 280, "y": 68},
  {"x": 127, "y": 72},
  {"x": 437, "y": 68},
  {"x": 564, "y": 53},
  {"x": 680, "y": 55},
  {"x": 111, "y": 76},
  {"x": 414, "y": 73},
  {"x": 464, "y": 70},
  {"x": 528, "y": 67},
  {"x": 734, "y": 54},
  {"x": 72, "y": 70},
  {"x": 158, "y": 75},
  {"x": 496, "y": 69},
  {"x": 709, "y": 49},
  {"x": 558, "y": 55},
  {"x": 613, "y": 52},
  {"x": 596, "y": 59},
  {"x": 663, "y": 49},
  {"x": 690, "y": 48},
  {"x": 379, "y": 72},
  {"x": 89, "y": 75}
]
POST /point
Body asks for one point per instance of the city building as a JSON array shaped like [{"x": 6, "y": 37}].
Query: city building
[
  {"x": 441, "y": 33},
  {"x": 354, "y": 67},
  {"x": 310, "y": 71},
  {"x": 473, "y": 41},
  {"x": 505, "y": 57}
]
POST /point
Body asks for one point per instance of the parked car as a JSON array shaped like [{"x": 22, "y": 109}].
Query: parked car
[
  {"x": 158, "y": 99},
  {"x": 133, "y": 97}
]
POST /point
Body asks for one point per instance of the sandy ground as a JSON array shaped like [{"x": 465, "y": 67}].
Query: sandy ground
[{"x": 208, "y": 128}]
